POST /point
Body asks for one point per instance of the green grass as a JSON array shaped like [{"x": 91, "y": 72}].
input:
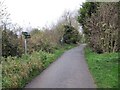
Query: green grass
[
  {"x": 0, "y": 76},
  {"x": 104, "y": 68}
]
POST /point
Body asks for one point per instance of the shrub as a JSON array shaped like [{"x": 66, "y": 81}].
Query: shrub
[
  {"x": 71, "y": 35},
  {"x": 16, "y": 71}
]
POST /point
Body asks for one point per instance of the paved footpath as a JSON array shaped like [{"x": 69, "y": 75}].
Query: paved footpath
[{"x": 69, "y": 71}]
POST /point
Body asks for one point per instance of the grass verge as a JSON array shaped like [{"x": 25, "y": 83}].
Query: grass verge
[
  {"x": 103, "y": 67},
  {"x": 17, "y": 72}
]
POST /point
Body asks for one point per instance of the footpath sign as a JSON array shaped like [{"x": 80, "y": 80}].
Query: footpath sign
[{"x": 26, "y": 36}]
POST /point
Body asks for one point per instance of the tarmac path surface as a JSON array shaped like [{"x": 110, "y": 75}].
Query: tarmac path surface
[{"x": 69, "y": 71}]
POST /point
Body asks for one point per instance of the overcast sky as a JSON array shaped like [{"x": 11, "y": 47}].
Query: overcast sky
[{"x": 39, "y": 12}]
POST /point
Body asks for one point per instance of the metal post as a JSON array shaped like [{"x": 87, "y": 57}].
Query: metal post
[
  {"x": 26, "y": 35},
  {"x": 25, "y": 46}
]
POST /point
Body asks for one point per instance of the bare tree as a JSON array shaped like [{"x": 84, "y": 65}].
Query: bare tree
[
  {"x": 70, "y": 18},
  {"x": 3, "y": 11}
]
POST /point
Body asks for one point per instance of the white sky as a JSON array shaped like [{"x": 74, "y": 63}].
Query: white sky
[{"x": 39, "y": 12}]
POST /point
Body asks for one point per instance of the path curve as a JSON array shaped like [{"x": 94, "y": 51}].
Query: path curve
[{"x": 69, "y": 71}]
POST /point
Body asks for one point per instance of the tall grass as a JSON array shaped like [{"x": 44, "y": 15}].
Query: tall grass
[{"x": 17, "y": 72}]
